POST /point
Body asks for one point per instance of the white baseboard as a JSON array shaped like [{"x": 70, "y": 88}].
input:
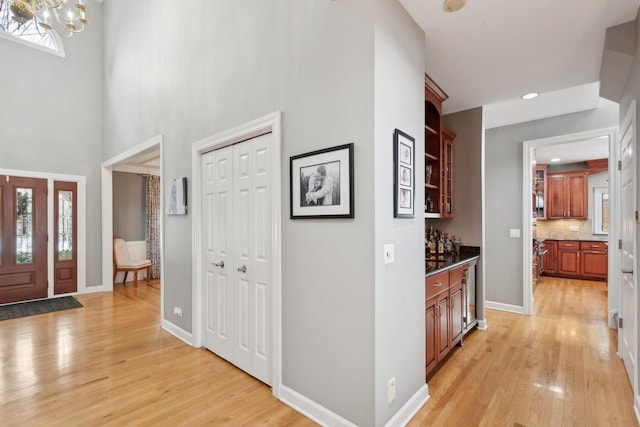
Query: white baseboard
[
  {"x": 177, "y": 331},
  {"x": 91, "y": 290},
  {"x": 311, "y": 409},
  {"x": 504, "y": 307},
  {"x": 636, "y": 407},
  {"x": 483, "y": 325},
  {"x": 410, "y": 409}
]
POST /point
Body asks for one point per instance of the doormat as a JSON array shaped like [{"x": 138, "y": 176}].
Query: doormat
[{"x": 31, "y": 308}]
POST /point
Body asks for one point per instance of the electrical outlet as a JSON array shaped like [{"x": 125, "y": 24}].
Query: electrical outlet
[
  {"x": 177, "y": 311},
  {"x": 514, "y": 232},
  {"x": 574, "y": 228},
  {"x": 391, "y": 390}
]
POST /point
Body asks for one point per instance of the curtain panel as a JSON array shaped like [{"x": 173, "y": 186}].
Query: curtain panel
[{"x": 152, "y": 229}]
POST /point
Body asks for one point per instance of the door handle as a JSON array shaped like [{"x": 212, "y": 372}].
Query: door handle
[
  {"x": 218, "y": 264},
  {"x": 243, "y": 269},
  {"x": 626, "y": 271}
]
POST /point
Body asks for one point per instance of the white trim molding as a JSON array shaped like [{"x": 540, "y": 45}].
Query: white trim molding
[
  {"x": 410, "y": 408},
  {"x": 269, "y": 123},
  {"x": 527, "y": 236},
  {"x": 504, "y": 307},
  {"x": 312, "y": 410},
  {"x": 177, "y": 331}
]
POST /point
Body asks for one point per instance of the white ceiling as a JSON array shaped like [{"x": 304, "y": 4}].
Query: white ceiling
[
  {"x": 494, "y": 51},
  {"x": 574, "y": 152}
]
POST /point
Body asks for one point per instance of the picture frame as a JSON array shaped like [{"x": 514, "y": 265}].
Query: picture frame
[
  {"x": 404, "y": 183},
  {"x": 322, "y": 184},
  {"x": 177, "y": 197}
]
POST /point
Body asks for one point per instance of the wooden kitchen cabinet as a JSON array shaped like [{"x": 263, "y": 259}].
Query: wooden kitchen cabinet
[
  {"x": 550, "y": 261},
  {"x": 566, "y": 195},
  {"x": 445, "y": 312},
  {"x": 569, "y": 257},
  {"x": 575, "y": 259},
  {"x": 594, "y": 260},
  {"x": 438, "y": 155}
]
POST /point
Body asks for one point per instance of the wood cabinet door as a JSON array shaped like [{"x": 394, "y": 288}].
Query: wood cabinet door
[
  {"x": 431, "y": 320},
  {"x": 443, "y": 325},
  {"x": 576, "y": 196},
  {"x": 594, "y": 264},
  {"x": 555, "y": 197},
  {"x": 550, "y": 263},
  {"x": 457, "y": 314},
  {"x": 568, "y": 262}
]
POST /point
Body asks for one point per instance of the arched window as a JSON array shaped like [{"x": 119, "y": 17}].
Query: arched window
[{"x": 28, "y": 34}]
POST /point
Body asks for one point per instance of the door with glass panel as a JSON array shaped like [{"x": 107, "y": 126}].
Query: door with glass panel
[
  {"x": 65, "y": 264},
  {"x": 23, "y": 242}
]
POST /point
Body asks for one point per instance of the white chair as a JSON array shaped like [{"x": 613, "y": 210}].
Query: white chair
[{"x": 122, "y": 262}]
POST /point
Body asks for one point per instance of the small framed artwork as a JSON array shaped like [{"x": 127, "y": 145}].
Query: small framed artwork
[
  {"x": 404, "y": 175},
  {"x": 322, "y": 183},
  {"x": 177, "y": 197}
]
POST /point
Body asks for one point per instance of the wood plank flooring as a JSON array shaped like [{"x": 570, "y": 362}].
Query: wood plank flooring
[
  {"x": 110, "y": 363},
  {"x": 555, "y": 368}
]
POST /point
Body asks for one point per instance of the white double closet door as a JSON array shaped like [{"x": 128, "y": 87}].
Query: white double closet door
[{"x": 237, "y": 213}]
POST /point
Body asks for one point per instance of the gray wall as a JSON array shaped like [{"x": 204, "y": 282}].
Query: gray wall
[
  {"x": 313, "y": 60},
  {"x": 503, "y": 193},
  {"x": 399, "y": 287},
  {"x": 467, "y": 186},
  {"x": 129, "y": 208},
  {"x": 50, "y": 118}
]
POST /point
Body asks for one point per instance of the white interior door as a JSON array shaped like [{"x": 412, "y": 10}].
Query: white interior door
[
  {"x": 217, "y": 177},
  {"x": 627, "y": 345},
  {"x": 238, "y": 225}
]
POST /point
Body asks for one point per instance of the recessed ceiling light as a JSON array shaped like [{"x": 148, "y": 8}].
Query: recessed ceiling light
[
  {"x": 555, "y": 160},
  {"x": 530, "y": 95},
  {"x": 453, "y": 5}
]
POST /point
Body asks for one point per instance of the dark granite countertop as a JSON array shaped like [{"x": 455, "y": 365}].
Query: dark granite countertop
[{"x": 436, "y": 264}]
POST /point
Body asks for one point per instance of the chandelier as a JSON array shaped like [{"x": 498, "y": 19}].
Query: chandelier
[{"x": 65, "y": 17}]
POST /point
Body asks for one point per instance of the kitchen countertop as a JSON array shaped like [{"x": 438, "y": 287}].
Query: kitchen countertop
[{"x": 435, "y": 265}]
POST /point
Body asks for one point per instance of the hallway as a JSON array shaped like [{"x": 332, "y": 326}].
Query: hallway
[{"x": 555, "y": 368}]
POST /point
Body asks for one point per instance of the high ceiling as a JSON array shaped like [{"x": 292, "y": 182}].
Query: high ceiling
[{"x": 493, "y": 51}]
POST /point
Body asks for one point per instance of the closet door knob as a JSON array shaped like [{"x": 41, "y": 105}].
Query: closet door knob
[
  {"x": 218, "y": 264},
  {"x": 243, "y": 269}
]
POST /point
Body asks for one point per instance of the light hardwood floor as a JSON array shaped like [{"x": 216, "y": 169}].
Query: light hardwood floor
[
  {"x": 110, "y": 363},
  {"x": 555, "y": 368}
]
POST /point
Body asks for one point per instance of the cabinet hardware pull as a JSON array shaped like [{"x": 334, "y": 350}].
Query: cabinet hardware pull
[
  {"x": 218, "y": 264},
  {"x": 437, "y": 284},
  {"x": 626, "y": 271}
]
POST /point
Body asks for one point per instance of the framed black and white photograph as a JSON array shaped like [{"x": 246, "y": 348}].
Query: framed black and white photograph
[
  {"x": 404, "y": 175},
  {"x": 322, "y": 183},
  {"x": 177, "y": 196}
]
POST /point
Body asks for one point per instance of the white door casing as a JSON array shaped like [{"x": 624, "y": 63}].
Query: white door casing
[
  {"x": 238, "y": 262},
  {"x": 627, "y": 339}
]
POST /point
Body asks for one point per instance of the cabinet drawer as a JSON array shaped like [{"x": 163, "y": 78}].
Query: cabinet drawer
[
  {"x": 593, "y": 246},
  {"x": 569, "y": 244},
  {"x": 436, "y": 284},
  {"x": 455, "y": 275}
]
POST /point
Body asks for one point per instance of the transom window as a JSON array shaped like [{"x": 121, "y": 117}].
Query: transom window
[{"x": 29, "y": 35}]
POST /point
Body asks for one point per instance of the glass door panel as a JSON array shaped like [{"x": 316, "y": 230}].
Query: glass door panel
[{"x": 24, "y": 226}]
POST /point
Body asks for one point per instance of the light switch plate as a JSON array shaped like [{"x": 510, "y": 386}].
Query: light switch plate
[
  {"x": 389, "y": 255},
  {"x": 514, "y": 232}
]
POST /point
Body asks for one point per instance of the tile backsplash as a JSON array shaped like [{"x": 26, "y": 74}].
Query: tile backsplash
[{"x": 567, "y": 229}]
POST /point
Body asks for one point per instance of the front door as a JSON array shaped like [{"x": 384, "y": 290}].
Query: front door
[
  {"x": 238, "y": 217},
  {"x": 627, "y": 335},
  {"x": 23, "y": 242}
]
